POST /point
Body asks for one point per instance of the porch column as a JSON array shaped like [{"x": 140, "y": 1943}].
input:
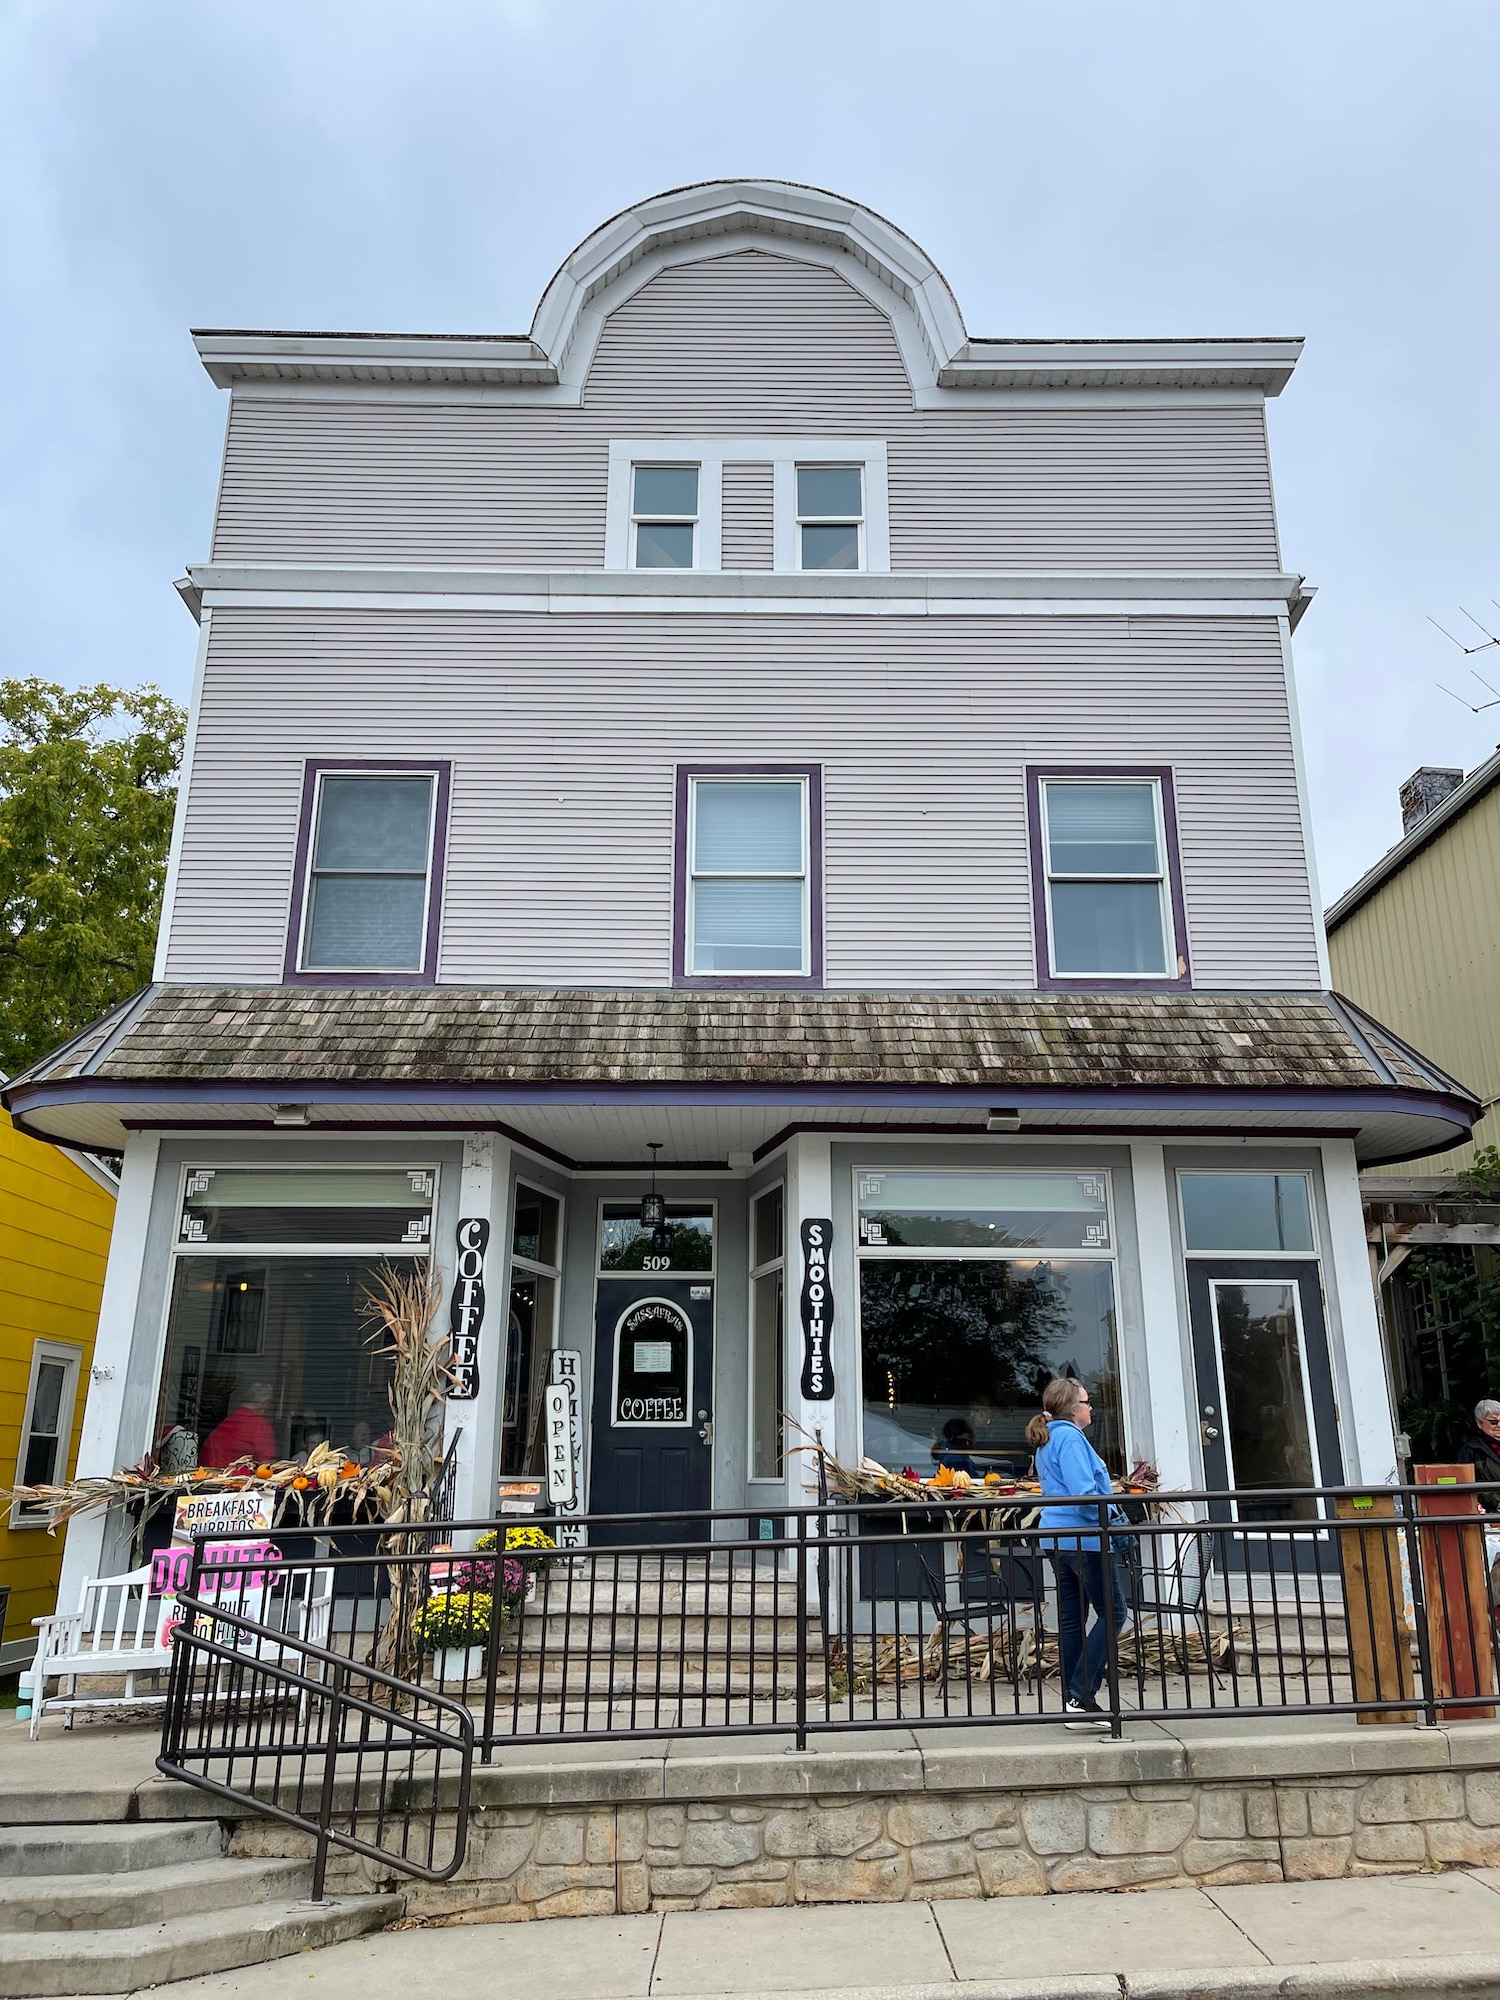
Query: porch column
[
  {"x": 1169, "y": 1367},
  {"x": 484, "y": 1196},
  {"x": 1368, "y": 1428},
  {"x": 102, "y": 1448},
  {"x": 809, "y": 1189}
]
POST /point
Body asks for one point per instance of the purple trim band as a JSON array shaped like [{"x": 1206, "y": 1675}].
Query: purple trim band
[
  {"x": 439, "y": 768},
  {"x": 1049, "y": 981},
  {"x": 748, "y": 982}
]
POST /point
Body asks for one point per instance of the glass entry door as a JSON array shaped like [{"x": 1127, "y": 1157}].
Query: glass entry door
[{"x": 1266, "y": 1410}]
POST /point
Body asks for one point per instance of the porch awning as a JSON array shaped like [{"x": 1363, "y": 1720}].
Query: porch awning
[{"x": 549, "y": 1064}]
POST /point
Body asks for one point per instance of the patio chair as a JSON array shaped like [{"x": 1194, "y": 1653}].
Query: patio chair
[{"x": 994, "y": 1583}]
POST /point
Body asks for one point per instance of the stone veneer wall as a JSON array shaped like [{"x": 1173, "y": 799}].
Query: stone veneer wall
[{"x": 608, "y": 1858}]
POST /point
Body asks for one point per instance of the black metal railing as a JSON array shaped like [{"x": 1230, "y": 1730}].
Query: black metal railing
[
  {"x": 373, "y": 1671},
  {"x": 352, "y": 1755}
]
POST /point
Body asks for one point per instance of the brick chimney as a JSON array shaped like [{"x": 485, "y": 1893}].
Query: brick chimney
[{"x": 1424, "y": 791}]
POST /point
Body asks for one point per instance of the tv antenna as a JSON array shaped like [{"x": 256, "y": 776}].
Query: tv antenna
[{"x": 1490, "y": 639}]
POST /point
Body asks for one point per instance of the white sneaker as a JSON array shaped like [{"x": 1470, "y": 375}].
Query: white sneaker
[{"x": 1077, "y": 1716}]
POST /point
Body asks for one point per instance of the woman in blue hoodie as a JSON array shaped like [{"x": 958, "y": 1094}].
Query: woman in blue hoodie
[{"x": 1067, "y": 1464}]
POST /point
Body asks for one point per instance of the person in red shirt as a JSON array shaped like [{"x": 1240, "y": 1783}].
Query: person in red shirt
[{"x": 244, "y": 1433}]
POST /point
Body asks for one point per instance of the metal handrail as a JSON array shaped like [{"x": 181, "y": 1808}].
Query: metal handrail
[{"x": 331, "y": 1689}]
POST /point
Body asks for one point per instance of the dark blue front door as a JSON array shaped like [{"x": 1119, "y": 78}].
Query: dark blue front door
[{"x": 653, "y": 1375}]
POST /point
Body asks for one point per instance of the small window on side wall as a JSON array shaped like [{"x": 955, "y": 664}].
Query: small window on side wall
[
  {"x": 664, "y": 517},
  {"x": 46, "y": 1429},
  {"x": 746, "y": 888},
  {"x": 1107, "y": 894},
  {"x": 372, "y": 841}
]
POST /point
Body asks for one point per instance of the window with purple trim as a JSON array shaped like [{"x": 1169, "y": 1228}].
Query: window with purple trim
[
  {"x": 369, "y": 872},
  {"x": 748, "y": 877},
  {"x": 1106, "y": 874}
]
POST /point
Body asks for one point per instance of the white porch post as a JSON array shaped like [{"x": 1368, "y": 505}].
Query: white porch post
[
  {"x": 102, "y": 1448},
  {"x": 810, "y": 1198},
  {"x": 484, "y": 1188},
  {"x": 1367, "y": 1410},
  {"x": 1169, "y": 1364}
]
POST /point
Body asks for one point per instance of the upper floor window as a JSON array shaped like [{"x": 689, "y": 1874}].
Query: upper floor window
[
  {"x": 1109, "y": 902},
  {"x": 664, "y": 517},
  {"x": 830, "y": 517},
  {"x": 371, "y": 840},
  {"x": 747, "y": 889}
]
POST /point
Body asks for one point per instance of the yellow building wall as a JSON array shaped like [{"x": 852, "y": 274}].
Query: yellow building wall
[
  {"x": 1423, "y": 956},
  {"x": 55, "y": 1222}
]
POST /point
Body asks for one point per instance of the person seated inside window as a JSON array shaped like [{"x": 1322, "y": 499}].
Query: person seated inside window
[
  {"x": 955, "y": 1446},
  {"x": 245, "y": 1432}
]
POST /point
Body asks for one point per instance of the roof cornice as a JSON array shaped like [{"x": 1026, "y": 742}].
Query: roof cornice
[{"x": 716, "y": 218}]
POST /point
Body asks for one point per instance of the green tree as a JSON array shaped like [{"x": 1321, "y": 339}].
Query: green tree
[{"x": 88, "y": 783}]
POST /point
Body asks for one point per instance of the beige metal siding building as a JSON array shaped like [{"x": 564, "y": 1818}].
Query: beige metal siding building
[{"x": 1416, "y": 942}]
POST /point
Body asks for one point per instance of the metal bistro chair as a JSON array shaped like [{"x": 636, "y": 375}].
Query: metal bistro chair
[
  {"x": 995, "y": 1580},
  {"x": 1168, "y": 1580}
]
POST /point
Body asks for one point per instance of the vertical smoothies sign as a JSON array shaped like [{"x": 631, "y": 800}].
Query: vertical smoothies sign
[{"x": 817, "y": 1311}]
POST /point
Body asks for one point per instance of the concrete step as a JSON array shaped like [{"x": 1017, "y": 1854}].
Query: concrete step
[
  {"x": 182, "y": 1947},
  {"x": 107, "y": 1847},
  {"x": 664, "y": 1631},
  {"x": 142, "y": 1896}
]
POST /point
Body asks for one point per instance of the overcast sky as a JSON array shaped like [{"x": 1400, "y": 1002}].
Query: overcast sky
[{"x": 1089, "y": 167}]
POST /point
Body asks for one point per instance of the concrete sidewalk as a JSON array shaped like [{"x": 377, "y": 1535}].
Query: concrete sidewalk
[{"x": 1413, "y": 1935}]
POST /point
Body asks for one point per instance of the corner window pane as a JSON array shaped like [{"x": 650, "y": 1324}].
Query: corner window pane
[
  {"x": 830, "y": 548},
  {"x": 1239, "y": 1212},
  {"x": 751, "y": 828},
  {"x": 666, "y": 489},
  {"x": 747, "y": 926},
  {"x": 664, "y": 545},
  {"x": 830, "y": 491},
  {"x": 366, "y": 923},
  {"x": 534, "y": 1231},
  {"x": 1113, "y": 927},
  {"x": 373, "y": 823},
  {"x": 767, "y": 1367},
  {"x": 1102, "y": 830},
  {"x": 770, "y": 1213}
]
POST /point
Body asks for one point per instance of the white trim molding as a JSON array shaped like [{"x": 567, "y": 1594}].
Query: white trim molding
[{"x": 718, "y": 219}]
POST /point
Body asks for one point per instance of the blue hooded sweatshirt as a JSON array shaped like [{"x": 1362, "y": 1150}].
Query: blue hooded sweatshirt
[{"x": 1068, "y": 1463}]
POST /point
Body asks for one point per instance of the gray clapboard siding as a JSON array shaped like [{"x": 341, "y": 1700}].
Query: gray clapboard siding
[
  {"x": 565, "y": 731},
  {"x": 747, "y": 345},
  {"x": 748, "y": 541}
]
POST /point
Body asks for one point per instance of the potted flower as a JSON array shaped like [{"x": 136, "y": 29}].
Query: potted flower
[
  {"x": 454, "y": 1629},
  {"x": 526, "y": 1550}
]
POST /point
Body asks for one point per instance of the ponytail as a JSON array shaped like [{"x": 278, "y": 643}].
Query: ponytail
[{"x": 1059, "y": 1400}]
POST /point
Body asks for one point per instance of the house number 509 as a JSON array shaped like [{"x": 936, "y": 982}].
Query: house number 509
[{"x": 656, "y": 1264}]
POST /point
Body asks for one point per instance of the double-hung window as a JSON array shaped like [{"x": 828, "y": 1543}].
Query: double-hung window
[
  {"x": 1106, "y": 878},
  {"x": 46, "y": 1428},
  {"x": 830, "y": 517},
  {"x": 747, "y": 891},
  {"x": 664, "y": 517},
  {"x": 367, "y": 896}
]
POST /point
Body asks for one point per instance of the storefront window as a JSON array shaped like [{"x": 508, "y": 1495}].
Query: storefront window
[
  {"x": 767, "y": 1334},
  {"x": 269, "y": 1349},
  {"x": 535, "y": 1236},
  {"x": 685, "y": 1244},
  {"x": 958, "y": 1343}
]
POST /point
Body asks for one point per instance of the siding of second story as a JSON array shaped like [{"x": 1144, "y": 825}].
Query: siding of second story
[
  {"x": 745, "y": 345},
  {"x": 564, "y": 732},
  {"x": 1422, "y": 954}
]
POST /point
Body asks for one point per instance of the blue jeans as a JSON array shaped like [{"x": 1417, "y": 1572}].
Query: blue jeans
[{"x": 1080, "y": 1590}]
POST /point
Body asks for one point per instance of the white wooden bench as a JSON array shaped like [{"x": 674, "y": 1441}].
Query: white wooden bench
[{"x": 117, "y": 1633}]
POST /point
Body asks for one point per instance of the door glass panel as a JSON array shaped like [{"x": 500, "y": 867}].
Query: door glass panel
[
  {"x": 653, "y": 1365},
  {"x": 1265, "y": 1396}
]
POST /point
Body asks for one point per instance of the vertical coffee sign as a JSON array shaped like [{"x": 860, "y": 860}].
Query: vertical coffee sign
[
  {"x": 817, "y": 1311},
  {"x": 466, "y": 1308}
]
